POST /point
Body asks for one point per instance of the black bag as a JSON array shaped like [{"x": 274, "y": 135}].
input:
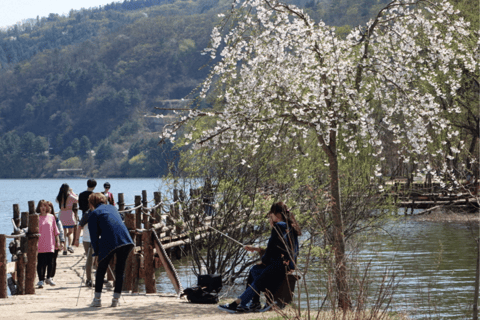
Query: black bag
[
  {"x": 210, "y": 282},
  {"x": 198, "y": 295}
]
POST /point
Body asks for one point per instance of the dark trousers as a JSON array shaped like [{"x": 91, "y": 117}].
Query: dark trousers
[
  {"x": 45, "y": 260},
  {"x": 253, "y": 275},
  {"x": 51, "y": 269},
  {"x": 122, "y": 255}
]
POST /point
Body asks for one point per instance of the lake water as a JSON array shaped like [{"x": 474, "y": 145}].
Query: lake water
[
  {"x": 435, "y": 266},
  {"x": 434, "y": 262}
]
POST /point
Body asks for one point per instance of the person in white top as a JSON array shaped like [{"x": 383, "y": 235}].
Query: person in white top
[{"x": 83, "y": 204}]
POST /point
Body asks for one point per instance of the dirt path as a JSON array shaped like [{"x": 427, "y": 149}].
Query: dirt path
[{"x": 60, "y": 302}]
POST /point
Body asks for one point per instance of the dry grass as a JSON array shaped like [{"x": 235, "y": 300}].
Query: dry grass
[{"x": 291, "y": 313}]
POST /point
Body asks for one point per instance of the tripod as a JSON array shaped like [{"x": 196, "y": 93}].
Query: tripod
[{"x": 83, "y": 276}]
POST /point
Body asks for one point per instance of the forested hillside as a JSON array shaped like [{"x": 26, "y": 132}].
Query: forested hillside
[
  {"x": 92, "y": 95},
  {"x": 74, "y": 90}
]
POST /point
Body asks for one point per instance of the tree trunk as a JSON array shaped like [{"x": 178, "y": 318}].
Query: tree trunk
[
  {"x": 338, "y": 237},
  {"x": 471, "y": 167}
]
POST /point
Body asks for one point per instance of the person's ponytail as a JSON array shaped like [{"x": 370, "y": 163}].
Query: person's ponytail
[{"x": 288, "y": 217}]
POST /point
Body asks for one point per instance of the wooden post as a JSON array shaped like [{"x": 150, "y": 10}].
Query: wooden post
[
  {"x": 3, "y": 265},
  {"x": 16, "y": 214},
  {"x": 170, "y": 220},
  {"x": 20, "y": 267},
  {"x": 136, "y": 271},
  {"x": 158, "y": 211},
  {"x": 130, "y": 224},
  {"x": 121, "y": 202},
  {"x": 178, "y": 221},
  {"x": 146, "y": 216},
  {"x": 149, "y": 267},
  {"x": 16, "y": 242},
  {"x": 144, "y": 198},
  {"x": 31, "y": 207},
  {"x": 21, "y": 263},
  {"x": 121, "y": 207},
  {"x": 24, "y": 220},
  {"x": 33, "y": 235},
  {"x": 138, "y": 219}
]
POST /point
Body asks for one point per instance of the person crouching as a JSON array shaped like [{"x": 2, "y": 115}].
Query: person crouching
[{"x": 109, "y": 236}]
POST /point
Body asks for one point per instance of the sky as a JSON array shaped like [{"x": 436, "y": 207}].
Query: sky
[{"x": 13, "y": 11}]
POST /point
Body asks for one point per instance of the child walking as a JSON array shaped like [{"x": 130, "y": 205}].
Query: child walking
[
  {"x": 52, "y": 270},
  {"x": 46, "y": 243}
]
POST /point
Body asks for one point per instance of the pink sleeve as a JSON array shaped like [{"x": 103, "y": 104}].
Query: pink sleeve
[{"x": 71, "y": 200}]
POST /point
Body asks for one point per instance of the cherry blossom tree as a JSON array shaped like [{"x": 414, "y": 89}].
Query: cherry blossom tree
[{"x": 279, "y": 71}]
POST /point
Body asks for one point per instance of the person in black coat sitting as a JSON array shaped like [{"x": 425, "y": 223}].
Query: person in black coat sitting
[{"x": 278, "y": 259}]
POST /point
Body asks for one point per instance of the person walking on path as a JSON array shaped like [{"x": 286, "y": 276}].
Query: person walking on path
[
  {"x": 51, "y": 269},
  {"x": 109, "y": 236},
  {"x": 83, "y": 205},
  {"x": 66, "y": 198},
  {"x": 108, "y": 194},
  {"x": 47, "y": 242},
  {"x": 278, "y": 259}
]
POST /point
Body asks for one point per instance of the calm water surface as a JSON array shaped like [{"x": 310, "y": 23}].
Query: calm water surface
[{"x": 434, "y": 262}]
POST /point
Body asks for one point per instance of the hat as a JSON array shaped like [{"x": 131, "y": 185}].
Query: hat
[{"x": 106, "y": 185}]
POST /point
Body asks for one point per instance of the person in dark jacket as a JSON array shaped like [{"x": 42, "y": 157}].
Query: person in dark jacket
[
  {"x": 278, "y": 259},
  {"x": 108, "y": 236}
]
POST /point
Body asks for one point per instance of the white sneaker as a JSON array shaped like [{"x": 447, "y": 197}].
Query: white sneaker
[
  {"x": 96, "y": 303},
  {"x": 40, "y": 284},
  {"x": 115, "y": 303},
  {"x": 50, "y": 282}
]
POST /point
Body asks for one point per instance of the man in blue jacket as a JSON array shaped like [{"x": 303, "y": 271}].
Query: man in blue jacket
[{"x": 109, "y": 236}]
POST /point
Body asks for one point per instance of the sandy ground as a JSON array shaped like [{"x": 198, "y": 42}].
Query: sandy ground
[{"x": 60, "y": 301}]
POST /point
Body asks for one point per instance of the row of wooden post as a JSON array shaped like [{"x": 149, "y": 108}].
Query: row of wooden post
[
  {"x": 140, "y": 263},
  {"x": 26, "y": 264}
]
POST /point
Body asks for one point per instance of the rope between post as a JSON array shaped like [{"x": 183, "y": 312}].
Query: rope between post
[
  {"x": 139, "y": 206},
  {"x": 13, "y": 236},
  {"x": 34, "y": 235}
]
